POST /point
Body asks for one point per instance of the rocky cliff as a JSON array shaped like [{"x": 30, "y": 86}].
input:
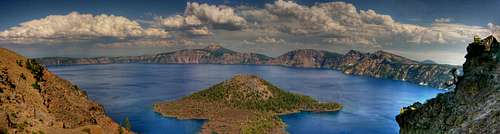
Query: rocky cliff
[
  {"x": 214, "y": 54},
  {"x": 473, "y": 107},
  {"x": 33, "y": 100},
  {"x": 390, "y": 66},
  {"x": 379, "y": 64},
  {"x": 306, "y": 58}
]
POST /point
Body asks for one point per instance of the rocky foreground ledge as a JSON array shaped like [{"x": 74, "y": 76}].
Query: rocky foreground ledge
[
  {"x": 35, "y": 101},
  {"x": 244, "y": 104},
  {"x": 474, "y": 106},
  {"x": 379, "y": 64}
]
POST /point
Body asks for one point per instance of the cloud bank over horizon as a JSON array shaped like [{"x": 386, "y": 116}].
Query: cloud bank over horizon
[
  {"x": 277, "y": 27},
  {"x": 76, "y": 25}
]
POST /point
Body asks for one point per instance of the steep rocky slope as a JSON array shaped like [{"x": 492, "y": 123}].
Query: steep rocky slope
[
  {"x": 390, "y": 66},
  {"x": 244, "y": 104},
  {"x": 473, "y": 107},
  {"x": 213, "y": 54},
  {"x": 379, "y": 64},
  {"x": 306, "y": 58},
  {"x": 33, "y": 100}
]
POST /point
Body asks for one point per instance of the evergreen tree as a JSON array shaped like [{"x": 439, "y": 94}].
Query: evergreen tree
[{"x": 126, "y": 124}]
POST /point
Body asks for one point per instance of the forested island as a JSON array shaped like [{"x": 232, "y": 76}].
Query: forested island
[{"x": 244, "y": 104}]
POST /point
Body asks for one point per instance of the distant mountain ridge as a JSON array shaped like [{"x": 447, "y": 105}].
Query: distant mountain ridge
[{"x": 379, "y": 64}]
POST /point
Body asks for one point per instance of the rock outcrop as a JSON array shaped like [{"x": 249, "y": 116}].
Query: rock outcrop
[
  {"x": 245, "y": 104},
  {"x": 390, "y": 66},
  {"x": 474, "y": 106},
  {"x": 33, "y": 100},
  {"x": 306, "y": 58},
  {"x": 379, "y": 64}
]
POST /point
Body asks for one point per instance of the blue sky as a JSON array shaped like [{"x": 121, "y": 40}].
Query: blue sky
[{"x": 419, "y": 29}]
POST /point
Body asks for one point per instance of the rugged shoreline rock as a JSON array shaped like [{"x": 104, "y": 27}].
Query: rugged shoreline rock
[
  {"x": 33, "y": 100},
  {"x": 379, "y": 64},
  {"x": 474, "y": 106},
  {"x": 390, "y": 66}
]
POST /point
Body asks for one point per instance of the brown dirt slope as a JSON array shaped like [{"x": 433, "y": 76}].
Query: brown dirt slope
[{"x": 33, "y": 100}]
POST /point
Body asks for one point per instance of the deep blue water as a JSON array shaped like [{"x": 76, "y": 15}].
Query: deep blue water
[{"x": 129, "y": 90}]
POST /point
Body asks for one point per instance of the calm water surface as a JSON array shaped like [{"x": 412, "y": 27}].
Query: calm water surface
[{"x": 129, "y": 90}]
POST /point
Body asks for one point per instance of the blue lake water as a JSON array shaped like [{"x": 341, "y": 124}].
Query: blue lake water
[{"x": 129, "y": 90}]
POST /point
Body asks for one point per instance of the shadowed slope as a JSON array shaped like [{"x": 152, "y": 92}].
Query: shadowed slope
[{"x": 473, "y": 107}]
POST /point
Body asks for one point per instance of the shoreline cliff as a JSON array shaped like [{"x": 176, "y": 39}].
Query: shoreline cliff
[
  {"x": 473, "y": 107},
  {"x": 379, "y": 64}
]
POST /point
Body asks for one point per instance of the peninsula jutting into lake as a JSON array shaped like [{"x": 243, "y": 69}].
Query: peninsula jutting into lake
[{"x": 244, "y": 104}]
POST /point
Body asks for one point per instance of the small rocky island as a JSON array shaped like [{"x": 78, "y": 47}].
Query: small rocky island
[{"x": 243, "y": 104}]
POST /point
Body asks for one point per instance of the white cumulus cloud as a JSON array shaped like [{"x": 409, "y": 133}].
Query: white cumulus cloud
[
  {"x": 305, "y": 19},
  {"x": 494, "y": 29},
  {"x": 342, "y": 23},
  {"x": 280, "y": 25},
  {"x": 202, "y": 31},
  {"x": 214, "y": 14},
  {"x": 76, "y": 25},
  {"x": 197, "y": 14},
  {"x": 178, "y": 21}
]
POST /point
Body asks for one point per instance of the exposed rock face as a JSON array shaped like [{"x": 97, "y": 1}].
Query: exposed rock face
[
  {"x": 390, "y": 66},
  {"x": 473, "y": 107},
  {"x": 210, "y": 55},
  {"x": 33, "y": 100},
  {"x": 306, "y": 58},
  {"x": 379, "y": 64},
  {"x": 213, "y": 54}
]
